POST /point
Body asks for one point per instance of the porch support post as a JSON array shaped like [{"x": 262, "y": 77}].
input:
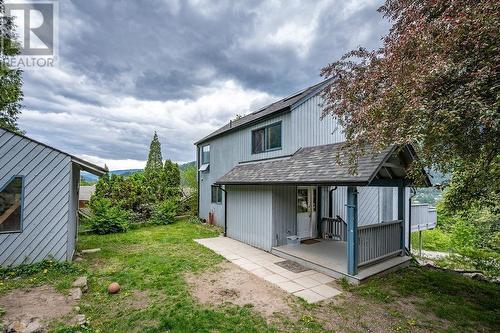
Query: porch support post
[
  {"x": 401, "y": 216},
  {"x": 352, "y": 230}
]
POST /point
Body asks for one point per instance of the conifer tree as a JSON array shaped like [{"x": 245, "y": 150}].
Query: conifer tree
[
  {"x": 172, "y": 177},
  {"x": 153, "y": 172},
  {"x": 154, "y": 164}
]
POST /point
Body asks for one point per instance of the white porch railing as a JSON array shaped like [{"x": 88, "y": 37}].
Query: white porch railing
[{"x": 378, "y": 241}]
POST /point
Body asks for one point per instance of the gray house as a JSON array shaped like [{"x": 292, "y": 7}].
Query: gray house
[
  {"x": 38, "y": 200},
  {"x": 271, "y": 180}
]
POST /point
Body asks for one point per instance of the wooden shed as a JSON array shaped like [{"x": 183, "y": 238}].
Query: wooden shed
[{"x": 38, "y": 200}]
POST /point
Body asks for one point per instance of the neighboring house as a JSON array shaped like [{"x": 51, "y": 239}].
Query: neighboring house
[
  {"x": 272, "y": 175},
  {"x": 38, "y": 200},
  {"x": 84, "y": 195}
]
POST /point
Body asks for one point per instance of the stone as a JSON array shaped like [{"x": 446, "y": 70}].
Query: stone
[
  {"x": 16, "y": 327},
  {"x": 81, "y": 283},
  {"x": 75, "y": 294},
  {"x": 34, "y": 326},
  {"x": 476, "y": 276},
  {"x": 80, "y": 319},
  {"x": 26, "y": 326},
  {"x": 77, "y": 308},
  {"x": 91, "y": 251}
]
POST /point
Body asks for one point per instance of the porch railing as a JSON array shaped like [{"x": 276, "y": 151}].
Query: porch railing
[
  {"x": 335, "y": 228},
  {"x": 379, "y": 241}
]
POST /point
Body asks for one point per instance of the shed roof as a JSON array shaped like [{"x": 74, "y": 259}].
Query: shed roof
[
  {"x": 84, "y": 165},
  {"x": 283, "y": 105},
  {"x": 318, "y": 165}
]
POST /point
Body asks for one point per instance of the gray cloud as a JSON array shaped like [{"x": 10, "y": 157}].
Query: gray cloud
[{"x": 183, "y": 68}]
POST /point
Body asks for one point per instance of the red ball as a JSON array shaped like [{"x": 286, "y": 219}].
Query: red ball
[{"x": 113, "y": 288}]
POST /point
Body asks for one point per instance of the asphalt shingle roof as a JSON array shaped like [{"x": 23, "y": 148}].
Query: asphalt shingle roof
[
  {"x": 312, "y": 165},
  {"x": 281, "y": 105}
]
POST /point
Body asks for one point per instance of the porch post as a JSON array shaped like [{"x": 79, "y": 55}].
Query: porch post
[
  {"x": 401, "y": 216},
  {"x": 352, "y": 230}
]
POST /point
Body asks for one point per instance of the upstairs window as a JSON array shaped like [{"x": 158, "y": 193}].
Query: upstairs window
[
  {"x": 11, "y": 205},
  {"x": 216, "y": 195},
  {"x": 266, "y": 139},
  {"x": 205, "y": 154}
]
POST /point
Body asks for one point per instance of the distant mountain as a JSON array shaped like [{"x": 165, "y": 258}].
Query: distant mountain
[
  {"x": 88, "y": 177},
  {"x": 184, "y": 166}
]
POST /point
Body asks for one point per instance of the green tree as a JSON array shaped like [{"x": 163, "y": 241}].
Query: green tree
[
  {"x": 172, "y": 179},
  {"x": 10, "y": 79},
  {"x": 190, "y": 181},
  {"x": 153, "y": 172},
  {"x": 433, "y": 84}
]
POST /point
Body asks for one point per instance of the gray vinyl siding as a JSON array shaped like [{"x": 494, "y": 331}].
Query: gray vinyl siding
[
  {"x": 47, "y": 178},
  {"x": 302, "y": 127},
  {"x": 249, "y": 213},
  {"x": 284, "y": 213}
]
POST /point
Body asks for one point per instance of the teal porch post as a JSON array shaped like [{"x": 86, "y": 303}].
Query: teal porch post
[
  {"x": 352, "y": 230},
  {"x": 401, "y": 216}
]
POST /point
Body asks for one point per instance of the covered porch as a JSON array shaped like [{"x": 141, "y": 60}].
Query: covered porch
[{"x": 332, "y": 239}]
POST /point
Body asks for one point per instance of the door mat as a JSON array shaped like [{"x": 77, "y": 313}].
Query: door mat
[
  {"x": 309, "y": 241},
  {"x": 292, "y": 266}
]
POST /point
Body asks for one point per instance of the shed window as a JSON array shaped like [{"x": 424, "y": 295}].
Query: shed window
[
  {"x": 216, "y": 195},
  {"x": 266, "y": 138},
  {"x": 205, "y": 154},
  {"x": 11, "y": 205},
  {"x": 387, "y": 203}
]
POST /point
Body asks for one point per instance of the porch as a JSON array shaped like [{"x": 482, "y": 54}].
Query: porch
[
  {"x": 330, "y": 257},
  {"x": 352, "y": 226}
]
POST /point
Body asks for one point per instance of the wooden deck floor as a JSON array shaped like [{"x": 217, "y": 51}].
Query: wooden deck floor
[{"x": 330, "y": 257}]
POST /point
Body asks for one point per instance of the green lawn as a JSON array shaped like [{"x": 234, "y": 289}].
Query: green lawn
[{"x": 149, "y": 263}]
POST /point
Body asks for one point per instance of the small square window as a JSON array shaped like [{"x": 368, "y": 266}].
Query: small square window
[
  {"x": 258, "y": 141},
  {"x": 216, "y": 195},
  {"x": 266, "y": 138},
  {"x": 274, "y": 136},
  {"x": 205, "y": 154},
  {"x": 11, "y": 206}
]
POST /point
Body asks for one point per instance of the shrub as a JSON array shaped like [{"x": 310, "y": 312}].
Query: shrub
[
  {"x": 165, "y": 212},
  {"x": 107, "y": 218}
]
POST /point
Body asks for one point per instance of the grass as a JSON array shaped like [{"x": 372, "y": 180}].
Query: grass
[
  {"x": 432, "y": 240},
  {"x": 149, "y": 264}
]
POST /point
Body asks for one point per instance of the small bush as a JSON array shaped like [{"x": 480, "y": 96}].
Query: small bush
[
  {"x": 108, "y": 219},
  {"x": 165, "y": 212}
]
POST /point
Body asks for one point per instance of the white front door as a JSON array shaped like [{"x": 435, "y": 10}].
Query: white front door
[{"x": 306, "y": 212}]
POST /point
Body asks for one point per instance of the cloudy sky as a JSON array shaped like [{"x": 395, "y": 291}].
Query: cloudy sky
[{"x": 182, "y": 68}]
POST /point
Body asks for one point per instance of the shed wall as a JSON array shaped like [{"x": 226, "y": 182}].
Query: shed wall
[{"x": 47, "y": 179}]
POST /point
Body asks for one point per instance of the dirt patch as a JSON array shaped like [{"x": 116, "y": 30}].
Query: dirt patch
[
  {"x": 42, "y": 302},
  {"x": 235, "y": 285},
  {"x": 137, "y": 300}
]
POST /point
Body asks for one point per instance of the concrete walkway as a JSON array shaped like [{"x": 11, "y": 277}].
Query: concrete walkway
[{"x": 309, "y": 285}]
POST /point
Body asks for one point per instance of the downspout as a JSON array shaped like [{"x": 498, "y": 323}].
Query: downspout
[
  {"x": 413, "y": 192},
  {"x": 225, "y": 209},
  {"x": 330, "y": 199}
]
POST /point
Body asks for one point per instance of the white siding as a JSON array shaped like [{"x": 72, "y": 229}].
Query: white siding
[
  {"x": 249, "y": 213},
  {"x": 47, "y": 179}
]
